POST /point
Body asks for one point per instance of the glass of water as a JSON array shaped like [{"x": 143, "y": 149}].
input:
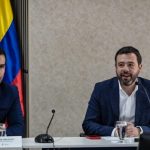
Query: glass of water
[
  {"x": 121, "y": 129},
  {"x": 2, "y": 129}
]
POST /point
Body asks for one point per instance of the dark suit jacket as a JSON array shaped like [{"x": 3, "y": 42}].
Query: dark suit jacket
[
  {"x": 103, "y": 108},
  {"x": 10, "y": 110}
]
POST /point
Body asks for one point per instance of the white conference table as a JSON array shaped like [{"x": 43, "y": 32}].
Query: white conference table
[{"x": 80, "y": 142}]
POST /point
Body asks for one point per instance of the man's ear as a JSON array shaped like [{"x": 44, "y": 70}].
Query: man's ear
[{"x": 140, "y": 66}]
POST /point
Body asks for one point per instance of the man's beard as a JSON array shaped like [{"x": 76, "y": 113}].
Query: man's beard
[{"x": 127, "y": 79}]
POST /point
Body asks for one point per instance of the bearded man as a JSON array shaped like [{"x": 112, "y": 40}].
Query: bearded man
[{"x": 122, "y": 98}]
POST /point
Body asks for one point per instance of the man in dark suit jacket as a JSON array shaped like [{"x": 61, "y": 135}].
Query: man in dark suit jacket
[
  {"x": 125, "y": 97},
  {"x": 10, "y": 109}
]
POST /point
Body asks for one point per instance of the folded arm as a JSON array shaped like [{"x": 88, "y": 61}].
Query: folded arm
[{"x": 94, "y": 122}]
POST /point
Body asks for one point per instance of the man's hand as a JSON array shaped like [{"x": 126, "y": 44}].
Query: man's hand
[{"x": 132, "y": 131}]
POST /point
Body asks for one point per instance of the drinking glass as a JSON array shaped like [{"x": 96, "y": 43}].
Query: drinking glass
[
  {"x": 2, "y": 129},
  {"x": 121, "y": 129}
]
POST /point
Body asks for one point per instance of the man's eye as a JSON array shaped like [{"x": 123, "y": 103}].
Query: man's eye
[
  {"x": 120, "y": 65},
  {"x": 131, "y": 65}
]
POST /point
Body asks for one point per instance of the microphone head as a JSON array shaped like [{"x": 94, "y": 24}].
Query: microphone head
[{"x": 53, "y": 111}]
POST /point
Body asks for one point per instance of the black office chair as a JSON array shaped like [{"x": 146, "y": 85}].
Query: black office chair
[{"x": 144, "y": 142}]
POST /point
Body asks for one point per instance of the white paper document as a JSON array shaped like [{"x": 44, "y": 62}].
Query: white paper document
[{"x": 10, "y": 142}]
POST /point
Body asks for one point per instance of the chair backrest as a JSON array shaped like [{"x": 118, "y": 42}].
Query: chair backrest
[{"x": 144, "y": 142}]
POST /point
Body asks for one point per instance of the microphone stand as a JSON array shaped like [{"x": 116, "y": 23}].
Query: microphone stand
[{"x": 46, "y": 138}]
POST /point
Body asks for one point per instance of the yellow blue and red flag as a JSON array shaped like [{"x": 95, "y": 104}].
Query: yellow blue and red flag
[{"x": 10, "y": 44}]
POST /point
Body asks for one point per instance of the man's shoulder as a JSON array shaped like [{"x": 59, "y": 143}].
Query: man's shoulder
[
  {"x": 107, "y": 83},
  {"x": 145, "y": 82},
  {"x": 8, "y": 87}
]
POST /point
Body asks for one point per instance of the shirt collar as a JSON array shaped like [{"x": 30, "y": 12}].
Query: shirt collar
[{"x": 121, "y": 89}]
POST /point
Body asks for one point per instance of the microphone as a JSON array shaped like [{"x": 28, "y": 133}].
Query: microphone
[
  {"x": 139, "y": 83},
  {"x": 46, "y": 138}
]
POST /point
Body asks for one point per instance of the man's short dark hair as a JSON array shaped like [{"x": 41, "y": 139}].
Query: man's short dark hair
[
  {"x": 127, "y": 50},
  {"x": 2, "y": 52}
]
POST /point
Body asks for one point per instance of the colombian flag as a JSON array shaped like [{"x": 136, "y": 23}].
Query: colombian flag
[{"x": 9, "y": 43}]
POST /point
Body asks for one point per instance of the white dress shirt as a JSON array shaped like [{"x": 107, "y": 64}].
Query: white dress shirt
[{"x": 126, "y": 106}]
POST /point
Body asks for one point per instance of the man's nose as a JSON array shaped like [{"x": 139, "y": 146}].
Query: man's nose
[{"x": 126, "y": 68}]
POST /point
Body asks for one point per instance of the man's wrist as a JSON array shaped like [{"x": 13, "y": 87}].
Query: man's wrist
[
  {"x": 114, "y": 132},
  {"x": 140, "y": 130}
]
